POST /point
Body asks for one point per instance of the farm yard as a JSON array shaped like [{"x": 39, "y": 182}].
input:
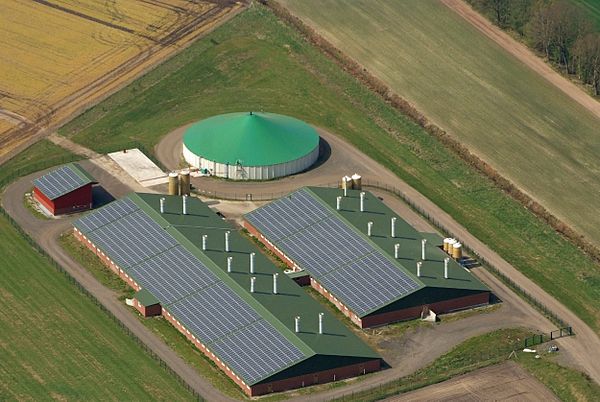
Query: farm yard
[
  {"x": 63, "y": 55},
  {"x": 507, "y": 114}
]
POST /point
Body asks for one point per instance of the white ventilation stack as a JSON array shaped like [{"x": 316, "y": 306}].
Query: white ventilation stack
[
  {"x": 345, "y": 192},
  {"x": 184, "y": 198},
  {"x": 252, "y": 283},
  {"x": 162, "y": 205},
  {"x": 252, "y": 255},
  {"x": 204, "y": 237},
  {"x": 446, "y": 260},
  {"x": 397, "y": 250},
  {"x": 393, "y": 226},
  {"x": 423, "y": 242},
  {"x": 362, "y": 201},
  {"x": 275, "y": 283},
  {"x": 338, "y": 203},
  {"x": 297, "y": 323},
  {"x": 229, "y": 262},
  {"x": 369, "y": 228},
  {"x": 227, "y": 234},
  {"x": 419, "y": 268},
  {"x": 321, "y": 322}
]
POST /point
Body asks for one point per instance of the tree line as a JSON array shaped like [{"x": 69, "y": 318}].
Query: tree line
[{"x": 559, "y": 29}]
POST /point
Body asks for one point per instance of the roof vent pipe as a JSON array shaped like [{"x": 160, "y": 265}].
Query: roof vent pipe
[
  {"x": 204, "y": 237},
  {"x": 162, "y": 205},
  {"x": 252, "y": 255},
  {"x": 423, "y": 242},
  {"x": 252, "y": 282},
  {"x": 227, "y": 233},
  {"x": 362, "y": 201},
  {"x": 446, "y": 260},
  {"x": 321, "y": 322},
  {"x": 275, "y": 283},
  {"x": 184, "y": 204},
  {"x": 338, "y": 203},
  {"x": 394, "y": 226},
  {"x": 419, "y": 268},
  {"x": 397, "y": 250},
  {"x": 297, "y": 324},
  {"x": 229, "y": 261},
  {"x": 345, "y": 192},
  {"x": 369, "y": 228}
]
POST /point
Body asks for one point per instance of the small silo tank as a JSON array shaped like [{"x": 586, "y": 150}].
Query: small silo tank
[
  {"x": 451, "y": 243},
  {"x": 356, "y": 181},
  {"x": 173, "y": 183},
  {"x": 457, "y": 251},
  {"x": 346, "y": 183},
  {"x": 184, "y": 182},
  {"x": 446, "y": 240}
]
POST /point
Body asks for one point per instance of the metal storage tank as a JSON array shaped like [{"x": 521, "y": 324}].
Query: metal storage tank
[
  {"x": 173, "y": 183},
  {"x": 346, "y": 183},
  {"x": 446, "y": 240},
  {"x": 451, "y": 243},
  {"x": 457, "y": 251},
  {"x": 356, "y": 181},
  {"x": 184, "y": 182},
  {"x": 251, "y": 146}
]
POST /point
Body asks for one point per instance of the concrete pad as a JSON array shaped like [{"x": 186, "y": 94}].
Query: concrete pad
[{"x": 140, "y": 167}]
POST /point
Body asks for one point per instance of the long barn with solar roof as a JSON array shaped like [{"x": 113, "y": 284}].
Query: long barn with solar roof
[
  {"x": 64, "y": 190},
  {"x": 362, "y": 257},
  {"x": 222, "y": 294}
]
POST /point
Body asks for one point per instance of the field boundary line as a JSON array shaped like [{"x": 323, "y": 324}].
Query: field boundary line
[{"x": 403, "y": 106}]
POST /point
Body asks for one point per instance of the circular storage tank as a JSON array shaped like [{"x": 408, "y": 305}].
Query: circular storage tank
[
  {"x": 251, "y": 146},
  {"x": 457, "y": 251}
]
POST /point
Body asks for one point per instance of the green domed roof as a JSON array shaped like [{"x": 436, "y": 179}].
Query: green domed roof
[{"x": 253, "y": 139}]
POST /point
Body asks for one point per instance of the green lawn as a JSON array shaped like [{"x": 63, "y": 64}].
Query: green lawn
[
  {"x": 56, "y": 343},
  {"x": 592, "y": 9},
  {"x": 507, "y": 114},
  {"x": 256, "y": 62}
]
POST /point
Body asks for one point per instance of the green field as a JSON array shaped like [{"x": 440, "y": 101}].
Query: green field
[
  {"x": 55, "y": 343},
  {"x": 592, "y": 9},
  {"x": 506, "y": 113},
  {"x": 227, "y": 71}
]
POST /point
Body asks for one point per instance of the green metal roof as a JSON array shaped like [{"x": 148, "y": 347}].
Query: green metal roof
[
  {"x": 251, "y": 138},
  {"x": 432, "y": 270},
  {"x": 145, "y": 298}
]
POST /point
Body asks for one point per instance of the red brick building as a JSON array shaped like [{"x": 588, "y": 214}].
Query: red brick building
[{"x": 64, "y": 190}]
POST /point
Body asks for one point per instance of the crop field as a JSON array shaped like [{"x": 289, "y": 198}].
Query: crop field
[
  {"x": 510, "y": 116},
  {"x": 55, "y": 343},
  {"x": 227, "y": 71},
  {"x": 61, "y": 52},
  {"x": 592, "y": 8}
]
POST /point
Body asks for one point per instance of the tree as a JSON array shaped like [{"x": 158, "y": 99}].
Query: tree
[
  {"x": 540, "y": 28},
  {"x": 586, "y": 55},
  {"x": 568, "y": 25}
]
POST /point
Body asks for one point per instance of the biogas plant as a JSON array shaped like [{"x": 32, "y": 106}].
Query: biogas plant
[{"x": 251, "y": 146}]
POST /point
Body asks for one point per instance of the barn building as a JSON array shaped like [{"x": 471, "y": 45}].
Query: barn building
[
  {"x": 64, "y": 190},
  {"x": 251, "y": 146},
  {"x": 365, "y": 259},
  {"x": 214, "y": 285}
]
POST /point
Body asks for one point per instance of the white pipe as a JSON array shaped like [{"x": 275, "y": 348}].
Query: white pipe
[
  {"x": 252, "y": 282},
  {"x": 396, "y": 250},
  {"x": 204, "y": 237},
  {"x": 338, "y": 203},
  {"x": 229, "y": 261},
  {"x": 227, "y": 233},
  {"x": 297, "y": 324},
  {"x": 321, "y": 322},
  {"x": 184, "y": 204},
  {"x": 162, "y": 205},
  {"x": 252, "y": 255},
  {"x": 446, "y": 260},
  {"x": 362, "y": 201},
  {"x": 369, "y": 228},
  {"x": 423, "y": 242},
  {"x": 345, "y": 192},
  {"x": 419, "y": 268},
  {"x": 394, "y": 226},
  {"x": 275, "y": 283}
]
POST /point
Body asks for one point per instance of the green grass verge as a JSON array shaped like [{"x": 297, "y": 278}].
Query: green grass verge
[
  {"x": 256, "y": 62},
  {"x": 56, "y": 343}
]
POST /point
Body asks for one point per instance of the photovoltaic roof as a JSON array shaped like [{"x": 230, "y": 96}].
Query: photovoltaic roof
[
  {"x": 62, "y": 181},
  {"x": 343, "y": 260}
]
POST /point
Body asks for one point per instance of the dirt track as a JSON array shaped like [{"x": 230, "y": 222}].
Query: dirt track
[
  {"x": 507, "y": 381},
  {"x": 522, "y": 53}
]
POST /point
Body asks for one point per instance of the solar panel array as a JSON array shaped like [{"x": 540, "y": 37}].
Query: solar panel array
[
  {"x": 257, "y": 351},
  {"x": 339, "y": 258},
  {"x": 59, "y": 182},
  {"x": 205, "y": 304}
]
